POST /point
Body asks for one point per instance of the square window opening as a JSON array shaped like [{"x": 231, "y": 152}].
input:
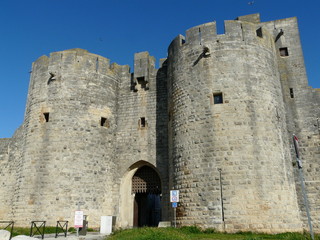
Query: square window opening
[
  {"x": 217, "y": 98},
  {"x": 284, "y": 52},
  {"x": 104, "y": 122}
]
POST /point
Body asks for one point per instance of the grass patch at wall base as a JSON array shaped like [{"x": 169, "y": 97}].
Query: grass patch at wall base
[{"x": 195, "y": 233}]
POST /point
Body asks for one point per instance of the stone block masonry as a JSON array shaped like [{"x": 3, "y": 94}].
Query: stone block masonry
[{"x": 215, "y": 121}]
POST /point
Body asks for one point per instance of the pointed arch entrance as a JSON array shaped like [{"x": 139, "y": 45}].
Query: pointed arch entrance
[
  {"x": 140, "y": 187},
  {"x": 146, "y": 187}
]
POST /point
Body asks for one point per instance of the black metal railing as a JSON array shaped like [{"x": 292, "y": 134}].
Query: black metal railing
[
  {"x": 8, "y": 226},
  {"x": 62, "y": 227},
  {"x": 37, "y": 227}
]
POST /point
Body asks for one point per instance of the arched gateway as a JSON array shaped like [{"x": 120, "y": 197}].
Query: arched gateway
[
  {"x": 146, "y": 187},
  {"x": 140, "y": 196}
]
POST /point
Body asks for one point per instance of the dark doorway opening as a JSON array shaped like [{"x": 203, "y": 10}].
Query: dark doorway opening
[
  {"x": 147, "y": 209},
  {"x": 146, "y": 186}
]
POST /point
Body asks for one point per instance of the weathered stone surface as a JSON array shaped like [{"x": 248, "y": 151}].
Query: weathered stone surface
[{"x": 215, "y": 121}]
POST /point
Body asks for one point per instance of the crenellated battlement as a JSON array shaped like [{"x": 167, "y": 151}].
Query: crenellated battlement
[
  {"x": 144, "y": 70},
  {"x": 201, "y": 33},
  {"x": 79, "y": 60},
  {"x": 247, "y": 29}
]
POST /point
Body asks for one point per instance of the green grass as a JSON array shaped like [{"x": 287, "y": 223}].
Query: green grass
[
  {"x": 47, "y": 230},
  {"x": 183, "y": 233},
  {"x": 26, "y": 231},
  {"x": 195, "y": 233}
]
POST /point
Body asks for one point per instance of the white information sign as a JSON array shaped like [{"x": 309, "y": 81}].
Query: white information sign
[
  {"x": 78, "y": 219},
  {"x": 174, "y": 196}
]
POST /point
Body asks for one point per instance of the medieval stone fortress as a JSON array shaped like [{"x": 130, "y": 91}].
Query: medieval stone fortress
[{"x": 215, "y": 122}]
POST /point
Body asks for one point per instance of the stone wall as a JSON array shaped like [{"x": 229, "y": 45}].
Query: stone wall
[
  {"x": 141, "y": 133},
  {"x": 215, "y": 121},
  {"x": 4, "y": 172},
  {"x": 69, "y": 140},
  {"x": 302, "y": 111},
  {"x": 245, "y": 136},
  {"x": 83, "y": 133},
  {"x": 10, "y": 172}
]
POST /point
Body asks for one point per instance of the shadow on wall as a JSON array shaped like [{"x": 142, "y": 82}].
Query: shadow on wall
[{"x": 162, "y": 135}]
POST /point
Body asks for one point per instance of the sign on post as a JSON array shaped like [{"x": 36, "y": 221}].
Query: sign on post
[
  {"x": 174, "y": 199},
  {"x": 174, "y": 196},
  {"x": 78, "y": 219}
]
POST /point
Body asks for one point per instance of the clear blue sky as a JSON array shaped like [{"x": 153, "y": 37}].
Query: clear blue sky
[{"x": 116, "y": 29}]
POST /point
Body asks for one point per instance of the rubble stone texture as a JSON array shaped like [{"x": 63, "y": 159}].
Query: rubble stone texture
[{"x": 215, "y": 121}]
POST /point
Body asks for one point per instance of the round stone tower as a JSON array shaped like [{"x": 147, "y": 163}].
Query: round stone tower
[
  {"x": 229, "y": 153},
  {"x": 69, "y": 138}
]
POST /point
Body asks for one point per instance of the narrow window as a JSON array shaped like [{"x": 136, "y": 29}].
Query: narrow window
[
  {"x": 291, "y": 93},
  {"x": 259, "y": 32},
  {"x": 97, "y": 64},
  {"x": 104, "y": 122},
  {"x": 283, "y": 52},
  {"x": 142, "y": 122},
  {"x": 242, "y": 32},
  {"x": 46, "y": 116},
  {"x": 217, "y": 98}
]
